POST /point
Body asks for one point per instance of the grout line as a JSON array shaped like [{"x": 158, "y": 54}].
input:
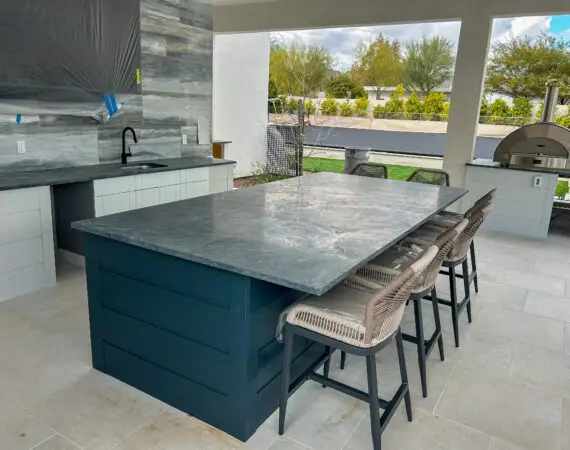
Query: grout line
[
  {"x": 353, "y": 432},
  {"x": 44, "y": 441},
  {"x": 272, "y": 442},
  {"x": 295, "y": 441},
  {"x": 444, "y": 388}
]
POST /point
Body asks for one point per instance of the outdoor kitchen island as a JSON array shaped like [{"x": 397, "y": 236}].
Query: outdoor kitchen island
[{"x": 184, "y": 298}]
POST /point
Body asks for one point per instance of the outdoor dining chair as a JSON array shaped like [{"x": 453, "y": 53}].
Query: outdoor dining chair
[
  {"x": 370, "y": 170},
  {"x": 359, "y": 316},
  {"x": 424, "y": 288},
  {"x": 448, "y": 219},
  {"x": 430, "y": 176},
  {"x": 426, "y": 235}
]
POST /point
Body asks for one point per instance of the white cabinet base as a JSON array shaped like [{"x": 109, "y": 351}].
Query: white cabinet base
[
  {"x": 27, "y": 260},
  {"x": 520, "y": 208}
]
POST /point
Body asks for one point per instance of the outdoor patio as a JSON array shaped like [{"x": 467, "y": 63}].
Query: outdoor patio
[{"x": 506, "y": 387}]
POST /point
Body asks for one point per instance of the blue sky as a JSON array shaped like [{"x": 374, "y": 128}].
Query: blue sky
[{"x": 342, "y": 41}]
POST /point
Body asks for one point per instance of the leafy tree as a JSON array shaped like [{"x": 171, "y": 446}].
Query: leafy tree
[
  {"x": 395, "y": 106},
  {"x": 414, "y": 107},
  {"x": 309, "y": 107},
  {"x": 361, "y": 107},
  {"x": 273, "y": 91},
  {"x": 378, "y": 112},
  {"x": 346, "y": 109},
  {"x": 539, "y": 111},
  {"x": 521, "y": 107},
  {"x": 329, "y": 107},
  {"x": 562, "y": 189},
  {"x": 292, "y": 105},
  {"x": 521, "y": 110},
  {"x": 521, "y": 66},
  {"x": 434, "y": 106},
  {"x": 484, "y": 108},
  {"x": 429, "y": 64},
  {"x": 342, "y": 85},
  {"x": 564, "y": 120},
  {"x": 499, "y": 109},
  {"x": 299, "y": 69},
  {"x": 378, "y": 63},
  {"x": 446, "y": 108}
]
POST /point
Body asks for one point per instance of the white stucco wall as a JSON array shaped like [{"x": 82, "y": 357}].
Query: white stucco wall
[{"x": 241, "y": 73}]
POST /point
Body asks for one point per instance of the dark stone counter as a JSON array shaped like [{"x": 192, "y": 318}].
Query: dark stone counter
[
  {"x": 303, "y": 233},
  {"x": 32, "y": 178}
]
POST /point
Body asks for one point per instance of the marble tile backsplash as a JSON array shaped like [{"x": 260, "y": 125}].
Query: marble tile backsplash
[{"x": 176, "y": 46}]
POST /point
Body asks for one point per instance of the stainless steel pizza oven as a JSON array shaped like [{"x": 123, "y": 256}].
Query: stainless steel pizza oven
[{"x": 541, "y": 145}]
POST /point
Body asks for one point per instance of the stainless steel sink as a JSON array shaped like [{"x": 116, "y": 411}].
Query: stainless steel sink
[{"x": 143, "y": 166}]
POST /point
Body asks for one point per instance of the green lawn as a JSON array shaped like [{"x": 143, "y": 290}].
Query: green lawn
[{"x": 337, "y": 165}]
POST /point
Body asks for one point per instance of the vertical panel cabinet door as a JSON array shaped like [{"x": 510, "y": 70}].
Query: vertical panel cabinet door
[
  {"x": 197, "y": 189},
  {"x": 147, "y": 197},
  {"x": 116, "y": 203},
  {"x": 169, "y": 194}
]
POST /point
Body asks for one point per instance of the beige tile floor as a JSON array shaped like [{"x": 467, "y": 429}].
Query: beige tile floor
[{"x": 507, "y": 387}]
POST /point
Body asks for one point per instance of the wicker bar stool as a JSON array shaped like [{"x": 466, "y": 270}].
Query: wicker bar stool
[
  {"x": 447, "y": 219},
  {"x": 360, "y": 317},
  {"x": 430, "y": 176},
  {"x": 398, "y": 255},
  {"x": 426, "y": 235},
  {"x": 370, "y": 170}
]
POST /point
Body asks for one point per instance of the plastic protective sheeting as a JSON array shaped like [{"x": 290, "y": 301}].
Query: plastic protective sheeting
[{"x": 68, "y": 58}]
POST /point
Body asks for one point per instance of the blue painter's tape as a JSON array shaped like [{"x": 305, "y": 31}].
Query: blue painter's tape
[
  {"x": 108, "y": 105},
  {"x": 18, "y": 118},
  {"x": 113, "y": 103}
]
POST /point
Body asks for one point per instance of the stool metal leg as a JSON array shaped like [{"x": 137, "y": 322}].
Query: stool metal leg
[
  {"x": 474, "y": 267},
  {"x": 421, "y": 344},
  {"x": 404, "y": 372},
  {"x": 437, "y": 320},
  {"x": 327, "y": 365},
  {"x": 374, "y": 403},
  {"x": 342, "y": 360},
  {"x": 285, "y": 378},
  {"x": 454, "y": 308},
  {"x": 465, "y": 268}
]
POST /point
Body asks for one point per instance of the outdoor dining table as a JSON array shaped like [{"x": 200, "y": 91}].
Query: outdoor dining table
[{"x": 184, "y": 298}]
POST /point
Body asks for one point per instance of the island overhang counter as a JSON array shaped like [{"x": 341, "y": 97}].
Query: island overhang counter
[{"x": 184, "y": 298}]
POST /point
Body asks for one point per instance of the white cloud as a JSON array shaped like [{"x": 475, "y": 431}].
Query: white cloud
[{"x": 343, "y": 41}]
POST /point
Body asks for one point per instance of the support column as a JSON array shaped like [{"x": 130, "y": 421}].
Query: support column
[{"x": 468, "y": 81}]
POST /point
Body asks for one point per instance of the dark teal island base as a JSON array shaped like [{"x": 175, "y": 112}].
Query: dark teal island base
[{"x": 198, "y": 338}]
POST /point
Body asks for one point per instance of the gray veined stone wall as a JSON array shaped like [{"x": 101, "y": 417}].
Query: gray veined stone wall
[{"x": 173, "y": 48}]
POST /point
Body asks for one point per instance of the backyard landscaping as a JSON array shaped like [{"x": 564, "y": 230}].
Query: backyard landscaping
[{"x": 337, "y": 165}]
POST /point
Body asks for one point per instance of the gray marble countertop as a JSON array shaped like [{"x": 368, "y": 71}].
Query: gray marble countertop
[
  {"x": 32, "y": 178},
  {"x": 306, "y": 233},
  {"x": 480, "y": 162}
]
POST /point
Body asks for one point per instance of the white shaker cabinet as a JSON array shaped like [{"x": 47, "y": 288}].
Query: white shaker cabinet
[
  {"x": 121, "y": 194},
  {"x": 27, "y": 260}
]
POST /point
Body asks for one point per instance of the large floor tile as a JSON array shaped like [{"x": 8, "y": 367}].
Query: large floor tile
[
  {"x": 320, "y": 418},
  {"x": 20, "y": 431},
  {"x": 506, "y": 409},
  {"x": 567, "y": 345},
  {"x": 521, "y": 326},
  {"x": 542, "y": 369},
  {"x": 487, "y": 352},
  {"x": 557, "y": 269},
  {"x": 501, "y": 444},
  {"x": 547, "y": 305},
  {"x": 534, "y": 281},
  {"x": 499, "y": 256},
  {"x": 282, "y": 443},
  {"x": 97, "y": 411},
  {"x": 567, "y": 288},
  {"x": 566, "y": 424},
  {"x": 425, "y": 432},
  {"x": 57, "y": 443},
  {"x": 502, "y": 295},
  {"x": 174, "y": 430}
]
